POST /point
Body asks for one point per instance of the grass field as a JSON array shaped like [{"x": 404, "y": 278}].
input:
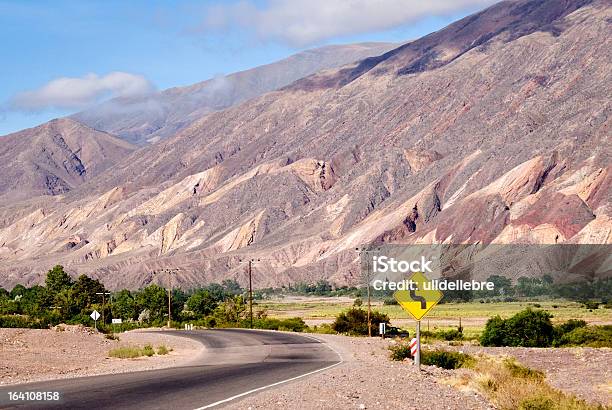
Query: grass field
[{"x": 473, "y": 315}]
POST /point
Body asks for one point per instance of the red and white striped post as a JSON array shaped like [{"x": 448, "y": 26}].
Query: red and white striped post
[{"x": 415, "y": 345}]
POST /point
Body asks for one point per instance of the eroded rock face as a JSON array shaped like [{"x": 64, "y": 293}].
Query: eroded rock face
[
  {"x": 419, "y": 160},
  {"x": 488, "y": 148},
  {"x": 54, "y": 158}
]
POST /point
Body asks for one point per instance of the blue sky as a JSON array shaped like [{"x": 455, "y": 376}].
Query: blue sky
[{"x": 161, "y": 44}]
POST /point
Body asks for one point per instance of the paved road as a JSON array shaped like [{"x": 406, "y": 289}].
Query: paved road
[{"x": 235, "y": 361}]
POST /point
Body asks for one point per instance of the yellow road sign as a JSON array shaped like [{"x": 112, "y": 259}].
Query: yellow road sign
[{"x": 419, "y": 301}]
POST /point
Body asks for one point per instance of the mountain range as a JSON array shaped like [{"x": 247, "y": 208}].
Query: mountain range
[
  {"x": 153, "y": 117},
  {"x": 495, "y": 129}
]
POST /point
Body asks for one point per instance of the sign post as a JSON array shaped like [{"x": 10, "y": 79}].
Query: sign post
[
  {"x": 417, "y": 356},
  {"x": 95, "y": 316},
  {"x": 382, "y": 329},
  {"x": 115, "y": 323},
  {"x": 418, "y": 305}
]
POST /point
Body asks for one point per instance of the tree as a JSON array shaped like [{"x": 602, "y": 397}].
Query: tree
[
  {"x": 154, "y": 298},
  {"x": 33, "y": 302},
  {"x": 18, "y": 290},
  {"x": 202, "y": 302},
  {"x": 231, "y": 311},
  {"x": 84, "y": 293},
  {"x": 57, "y": 280},
  {"x": 503, "y": 286},
  {"x": 217, "y": 291},
  {"x": 231, "y": 287},
  {"x": 179, "y": 298},
  {"x": 322, "y": 287},
  {"x": 64, "y": 303},
  {"x": 124, "y": 305}
]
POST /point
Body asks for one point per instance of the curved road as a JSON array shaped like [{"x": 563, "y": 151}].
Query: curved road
[{"x": 235, "y": 362}]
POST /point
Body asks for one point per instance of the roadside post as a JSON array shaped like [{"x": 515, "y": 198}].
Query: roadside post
[
  {"x": 95, "y": 316},
  {"x": 116, "y": 322},
  {"x": 103, "y": 294},
  {"x": 250, "y": 274},
  {"x": 382, "y": 329},
  {"x": 418, "y": 301},
  {"x": 417, "y": 356},
  {"x": 170, "y": 272}
]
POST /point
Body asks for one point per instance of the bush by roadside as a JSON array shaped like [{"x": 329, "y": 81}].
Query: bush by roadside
[
  {"x": 533, "y": 328},
  {"x": 355, "y": 322},
  {"x": 441, "y": 358},
  {"x": 591, "y": 336},
  {"x": 27, "y": 322},
  {"x": 448, "y": 335},
  {"x": 132, "y": 352}
]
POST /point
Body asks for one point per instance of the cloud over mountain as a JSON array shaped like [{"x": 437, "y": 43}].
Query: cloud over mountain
[
  {"x": 304, "y": 22},
  {"x": 80, "y": 92}
]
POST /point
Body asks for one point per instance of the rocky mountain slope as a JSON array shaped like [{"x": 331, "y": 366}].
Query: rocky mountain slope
[
  {"x": 151, "y": 118},
  {"x": 493, "y": 130},
  {"x": 54, "y": 158}
]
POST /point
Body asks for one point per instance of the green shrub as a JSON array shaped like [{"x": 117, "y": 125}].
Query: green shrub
[
  {"x": 448, "y": 335},
  {"x": 162, "y": 350},
  {"x": 27, "y": 322},
  {"x": 148, "y": 351},
  {"x": 128, "y": 352},
  {"x": 566, "y": 327},
  {"x": 537, "y": 403},
  {"x": 593, "y": 336},
  {"x": 323, "y": 328},
  {"x": 355, "y": 321},
  {"x": 446, "y": 360},
  {"x": 294, "y": 324},
  {"x": 400, "y": 352},
  {"x": 390, "y": 301},
  {"x": 591, "y": 304},
  {"x": 528, "y": 328}
]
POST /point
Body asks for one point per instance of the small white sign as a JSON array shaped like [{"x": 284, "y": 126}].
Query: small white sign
[
  {"x": 95, "y": 315},
  {"x": 382, "y": 328},
  {"x": 117, "y": 321}
]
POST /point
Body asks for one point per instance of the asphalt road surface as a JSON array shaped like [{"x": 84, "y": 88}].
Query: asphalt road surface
[{"x": 235, "y": 362}]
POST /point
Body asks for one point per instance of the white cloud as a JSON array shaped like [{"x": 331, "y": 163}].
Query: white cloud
[
  {"x": 304, "y": 22},
  {"x": 80, "y": 92}
]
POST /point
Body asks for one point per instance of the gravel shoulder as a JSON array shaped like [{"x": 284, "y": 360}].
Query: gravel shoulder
[
  {"x": 28, "y": 355},
  {"x": 366, "y": 379}
]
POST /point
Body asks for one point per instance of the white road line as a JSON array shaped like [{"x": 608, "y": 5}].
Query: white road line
[{"x": 208, "y": 406}]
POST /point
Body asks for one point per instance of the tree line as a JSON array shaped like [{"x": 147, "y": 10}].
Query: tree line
[{"x": 64, "y": 300}]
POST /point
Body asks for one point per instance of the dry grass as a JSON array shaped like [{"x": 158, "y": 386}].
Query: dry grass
[
  {"x": 510, "y": 386},
  {"x": 132, "y": 352},
  {"x": 162, "y": 350},
  {"x": 126, "y": 352}
]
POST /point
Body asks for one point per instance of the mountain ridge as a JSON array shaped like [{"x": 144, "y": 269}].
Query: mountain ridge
[
  {"x": 155, "y": 117},
  {"x": 508, "y": 143}
]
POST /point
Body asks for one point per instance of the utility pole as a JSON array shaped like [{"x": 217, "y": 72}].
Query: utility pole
[
  {"x": 360, "y": 251},
  {"x": 170, "y": 272},
  {"x": 250, "y": 272},
  {"x": 103, "y": 304}
]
